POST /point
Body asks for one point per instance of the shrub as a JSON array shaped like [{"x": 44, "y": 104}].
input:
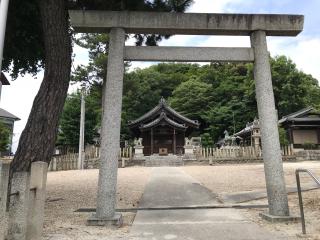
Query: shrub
[{"x": 4, "y": 137}]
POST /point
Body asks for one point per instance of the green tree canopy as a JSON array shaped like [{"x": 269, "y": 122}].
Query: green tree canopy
[
  {"x": 219, "y": 95},
  {"x": 4, "y": 137},
  {"x": 191, "y": 98},
  {"x": 24, "y": 42},
  {"x": 293, "y": 89},
  {"x": 39, "y": 34},
  {"x": 69, "y": 127}
]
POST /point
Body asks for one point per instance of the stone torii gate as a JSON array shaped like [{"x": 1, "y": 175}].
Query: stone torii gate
[{"x": 257, "y": 26}]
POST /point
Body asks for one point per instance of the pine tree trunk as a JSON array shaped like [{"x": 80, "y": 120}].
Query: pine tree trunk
[{"x": 37, "y": 141}]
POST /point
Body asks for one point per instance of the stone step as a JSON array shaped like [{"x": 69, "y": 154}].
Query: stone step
[
  {"x": 148, "y": 164},
  {"x": 157, "y": 161}
]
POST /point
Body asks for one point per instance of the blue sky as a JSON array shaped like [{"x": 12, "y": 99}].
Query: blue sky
[{"x": 304, "y": 49}]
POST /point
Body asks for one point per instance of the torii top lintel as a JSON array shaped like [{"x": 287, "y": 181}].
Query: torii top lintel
[{"x": 186, "y": 23}]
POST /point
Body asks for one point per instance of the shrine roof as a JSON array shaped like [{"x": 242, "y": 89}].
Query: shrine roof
[
  {"x": 163, "y": 118},
  {"x": 6, "y": 114},
  {"x": 157, "y": 110},
  {"x": 248, "y": 129},
  {"x": 307, "y": 114}
]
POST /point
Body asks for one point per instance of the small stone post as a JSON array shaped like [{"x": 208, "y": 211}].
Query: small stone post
[
  {"x": 4, "y": 178},
  {"x": 188, "y": 150},
  {"x": 123, "y": 162},
  {"x": 276, "y": 188},
  {"x": 138, "y": 149},
  {"x": 37, "y": 197},
  {"x": 256, "y": 135},
  {"x": 130, "y": 153},
  {"x": 18, "y": 207},
  {"x": 54, "y": 164},
  {"x": 110, "y": 134}
]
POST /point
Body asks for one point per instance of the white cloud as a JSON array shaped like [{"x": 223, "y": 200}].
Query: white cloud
[
  {"x": 138, "y": 64},
  {"x": 225, "y": 41},
  {"x": 210, "y": 6},
  {"x": 81, "y": 56},
  {"x": 131, "y": 41},
  {"x": 304, "y": 52},
  {"x": 177, "y": 40},
  {"x": 18, "y": 97}
]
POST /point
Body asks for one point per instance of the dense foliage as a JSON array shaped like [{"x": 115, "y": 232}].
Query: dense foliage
[
  {"x": 221, "y": 96},
  {"x": 24, "y": 43},
  {"x": 38, "y": 36},
  {"x": 70, "y": 121},
  {"x": 4, "y": 137}
]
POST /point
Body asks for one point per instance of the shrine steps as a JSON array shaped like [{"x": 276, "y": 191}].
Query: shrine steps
[{"x": 161, "y": 161}]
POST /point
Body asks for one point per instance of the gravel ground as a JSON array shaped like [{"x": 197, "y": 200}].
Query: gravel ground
[
  {"x": 245, "y": 177},
  {"x": 68, "y": 191},
  {"x": 248, "y": 177},
  {"x": 293, "y": 230}
]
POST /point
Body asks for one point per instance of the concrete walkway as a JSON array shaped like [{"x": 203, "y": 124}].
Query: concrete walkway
[{"x": 171, "y": 187}]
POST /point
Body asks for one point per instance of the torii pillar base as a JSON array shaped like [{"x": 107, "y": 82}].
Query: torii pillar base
[
  {"x": 277, "y": 219},
  {"x": 115, "y": 221}
]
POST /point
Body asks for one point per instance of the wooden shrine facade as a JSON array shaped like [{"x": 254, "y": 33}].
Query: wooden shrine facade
[
  {"x": 163, "y": 130},
  {"x": 302, "y": 127}
]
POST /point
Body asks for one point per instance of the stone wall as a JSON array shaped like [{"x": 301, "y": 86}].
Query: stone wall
[
  {"x": 24, "y": 216},
  {"x": 308, "y": 155}
]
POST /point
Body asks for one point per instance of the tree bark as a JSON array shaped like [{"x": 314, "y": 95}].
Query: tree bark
[{"x": 37, "y": 141}]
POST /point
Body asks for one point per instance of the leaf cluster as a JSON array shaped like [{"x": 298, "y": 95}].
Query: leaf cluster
[
  {"x": 24, "y": 43},
  {"x": 221, "y": 96},
  {"x": 69, "y": 127},
  {"x": 4, "y": 137}
]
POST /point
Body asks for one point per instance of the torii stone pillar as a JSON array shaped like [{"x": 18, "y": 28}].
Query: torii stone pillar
[
  {"x": 110, "y": 133},
  {"x": 273, "y": 168}
]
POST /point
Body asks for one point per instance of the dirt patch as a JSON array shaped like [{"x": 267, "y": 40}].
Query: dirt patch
[
  {"x": 293, "y": 230},
  {"x": 68, "y": 191},
  {"x": 250, "y": 177},
  {"x": 244, "y": 177}
]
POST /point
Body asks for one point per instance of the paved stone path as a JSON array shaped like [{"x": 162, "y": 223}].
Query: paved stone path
[{"x": 171, "y": 187}]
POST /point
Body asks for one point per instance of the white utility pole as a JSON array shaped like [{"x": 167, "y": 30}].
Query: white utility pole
[
  {"x": 81, "y": 156},
  {"x": 0, "y": 86},
  {"x": 3, "y": 21}
]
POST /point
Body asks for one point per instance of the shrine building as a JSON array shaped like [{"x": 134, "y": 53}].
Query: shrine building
[{"x": 163, "y": 130}]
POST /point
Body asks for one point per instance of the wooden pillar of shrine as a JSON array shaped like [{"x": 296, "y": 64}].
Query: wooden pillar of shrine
[
  {"x": 151, "y": 148},
  {"x": 174, "y": 141}
]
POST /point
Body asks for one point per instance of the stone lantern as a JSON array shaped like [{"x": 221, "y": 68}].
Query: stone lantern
[{"x": 256, "y": 135}]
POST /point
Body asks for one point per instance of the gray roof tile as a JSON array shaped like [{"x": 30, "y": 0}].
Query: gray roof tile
[{"x": 6, "y": 114}]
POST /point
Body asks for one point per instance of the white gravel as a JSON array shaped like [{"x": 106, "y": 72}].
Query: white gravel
[{"x": 68, "y": 191}]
